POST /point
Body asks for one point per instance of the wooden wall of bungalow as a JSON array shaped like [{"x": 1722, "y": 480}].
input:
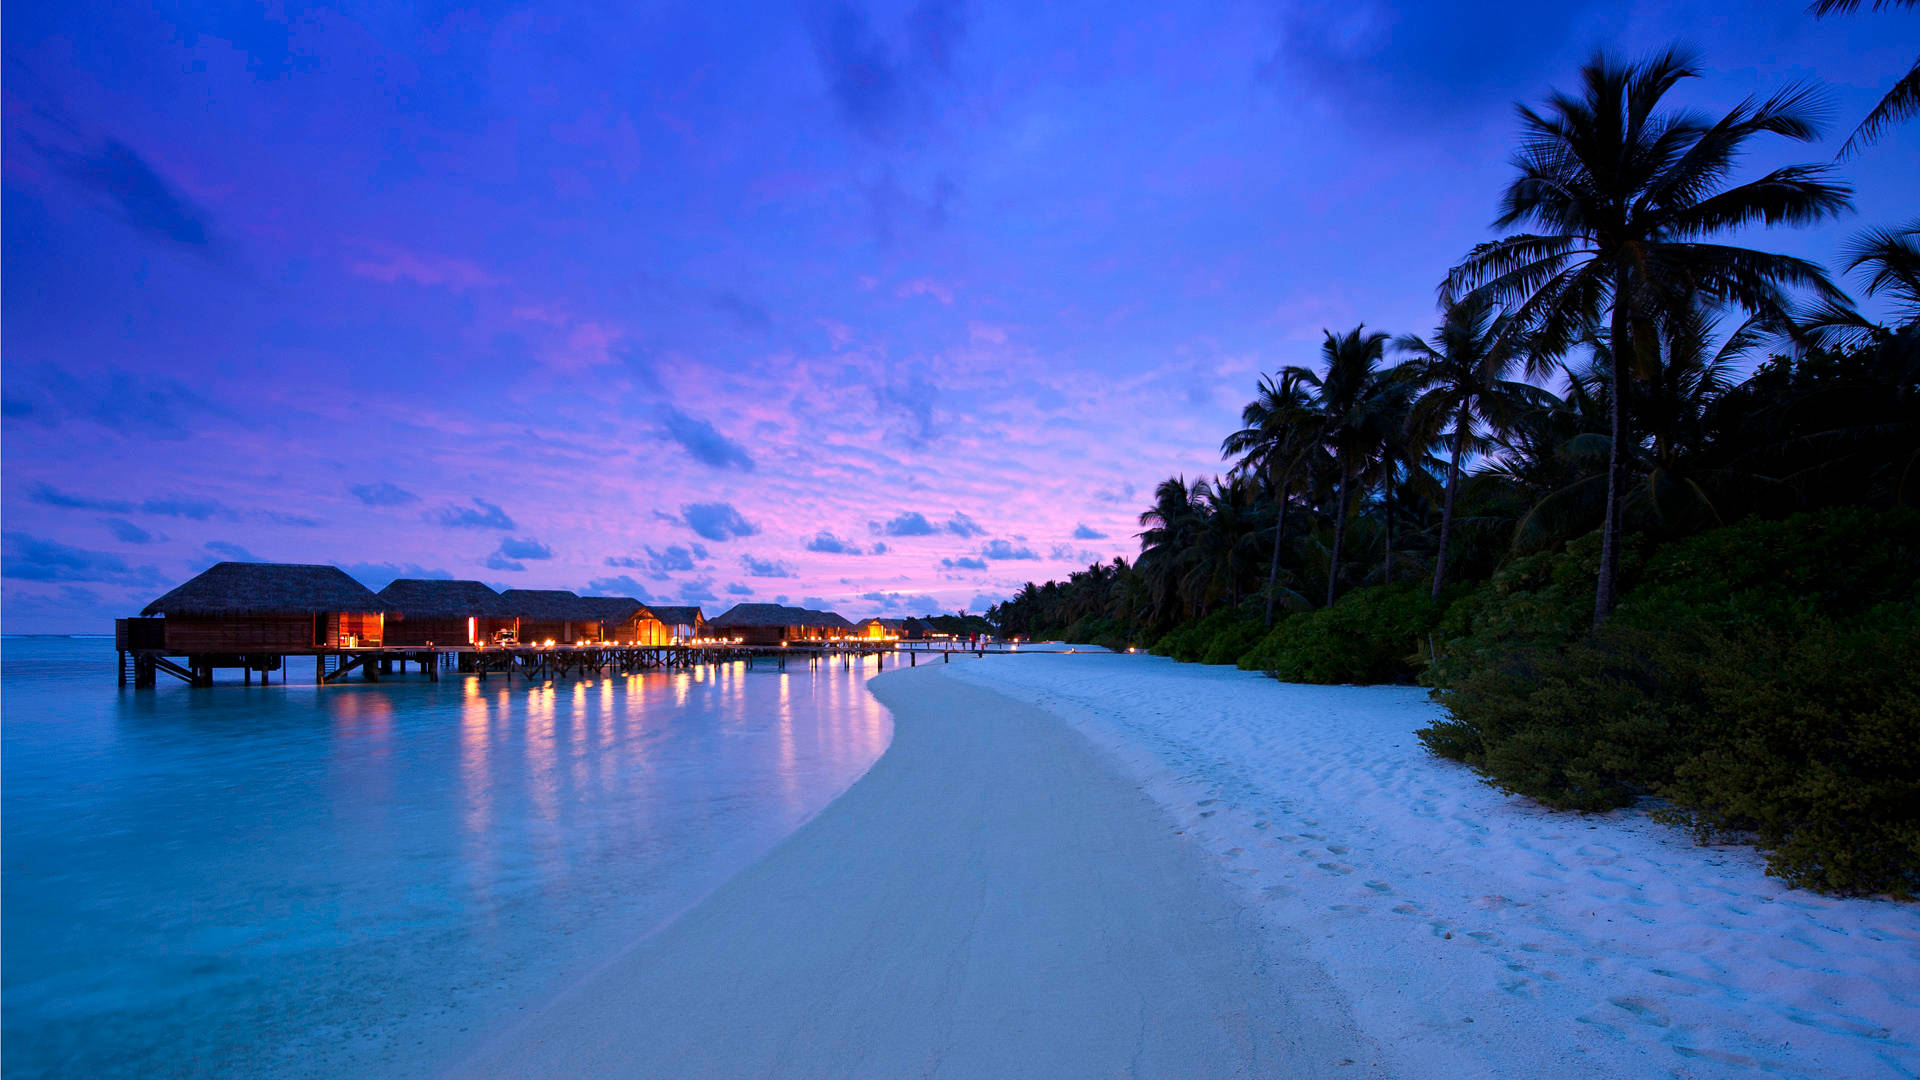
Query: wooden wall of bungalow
[
  {"x": 683, "y": 623},
  {"x": 284, "y": 633},
  {"x": 404, "y": 629},
  {"x": 641, "y": 628},
  {"x": 551, "y": 615}
]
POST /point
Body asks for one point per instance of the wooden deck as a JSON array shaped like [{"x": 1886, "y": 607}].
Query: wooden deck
[{"x": 537, "y": 663}]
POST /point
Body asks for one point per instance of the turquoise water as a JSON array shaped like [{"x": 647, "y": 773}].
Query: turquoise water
[{"x": 364, "y": 879}]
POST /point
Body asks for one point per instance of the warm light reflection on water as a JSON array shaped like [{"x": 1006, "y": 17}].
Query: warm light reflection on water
[{"x": 337, "y": 881}]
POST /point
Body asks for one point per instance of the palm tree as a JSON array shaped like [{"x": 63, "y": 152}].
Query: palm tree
[
  {"x": 1461, "y": 374},
  {"x": 1166, "y": 539},
  {"x": 1352, "y": 375},
  {"x": 1900, "y": 103},
  {"x": 1625, "y": 195},
  {"x": 1280, "y": 430},
  {"x": 1891, "y": 258}
]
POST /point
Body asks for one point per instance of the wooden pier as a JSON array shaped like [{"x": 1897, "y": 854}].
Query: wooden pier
[{"x": 141, "y": 664}]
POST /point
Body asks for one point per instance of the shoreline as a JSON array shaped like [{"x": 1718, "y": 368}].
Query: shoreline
[{"x": 993, "y": 897}]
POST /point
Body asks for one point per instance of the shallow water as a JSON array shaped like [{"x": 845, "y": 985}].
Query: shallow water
[{"x": 363, "y": 879}]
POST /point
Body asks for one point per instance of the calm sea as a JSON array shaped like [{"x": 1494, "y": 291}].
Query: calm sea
[{"x": 361, "y": 880}]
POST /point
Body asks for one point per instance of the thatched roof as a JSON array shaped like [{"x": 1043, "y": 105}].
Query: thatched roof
[
  {"x": 239, "y": 588},
  {"x": 891, "y": 625},
  {"x": 612, "y": 610},
  {"x": 422, "y": 598},
  {"x": 547, "y": 605},
  {"x": 745, "y": 615},
  {"x": 675, "y": 616}
]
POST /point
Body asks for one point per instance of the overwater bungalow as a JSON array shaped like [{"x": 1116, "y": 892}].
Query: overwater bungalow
[
  {"x": 552, "y": 615},
  {"x": 683, "y": 623},
  {"x": 628, "y": 621},
  {"x": 774, "y": 624},
  {"x": 434, "y": 612},
  {"x": 234, "y": 610}
]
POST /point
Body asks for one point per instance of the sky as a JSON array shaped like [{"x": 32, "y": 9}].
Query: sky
[{"x": 886, "y": 308}]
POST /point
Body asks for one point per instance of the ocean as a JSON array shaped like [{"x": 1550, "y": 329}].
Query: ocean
[{"x": 366, "y": 879}]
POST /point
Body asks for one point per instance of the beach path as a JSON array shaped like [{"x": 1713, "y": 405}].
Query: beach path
[{"x": 993, "y": 899}]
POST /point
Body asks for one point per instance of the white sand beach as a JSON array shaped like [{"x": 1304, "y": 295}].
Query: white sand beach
[
  {"x": 993, "y": 899},
  {"x": 1108, "y": 865},
  {"x": 1477, "y": 934}
]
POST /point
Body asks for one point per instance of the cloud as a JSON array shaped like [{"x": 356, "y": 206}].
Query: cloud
[
  {"x": 962, "y": 525},
  {"x": 1083, "y": 532},
  {"x": 127, "y": 532},
  {"x": 737, "y": 589},
  {"x": 139, "y": 194},
  {"x": 377, "y": 576},
  {"x": 230, "y": 552},
  {"x": 878, "y": 548},
  {"x": 879, "y": 87},
  {"x": 1122, "y": 494},
  {"x": 618, "y": 585},
  {"x": 983, "y": 601},
  {"x": 127, "y": 404},
  {"x": 30, "y": 558},
  {"x": 827, "y": 543},
  {"x": 717, "y": 521},
  {"x": 182, "y": 506},
  {"x": 965, "y": 562},
  {"x": 912, "y": 400},
  {"x": 758, "y": 567},
  {"x": 907, "y": 523},
  {"x": 48, "y": 496},
  {"x": 383, "y": 494},
  {"x": 675, "y": 558},
  {"x": 481, "y": 515},
  {"x": 744, "y": 312},
  {"x": 298, "y": 521},
  {"x": 1001, "y": 550},
  {"x": 384, "y": 262},
  {"x": 901, "y": 602},
  {"x": 706, "y": 445},
  {"x": 513, "y": 548},
  {"x": 1403, "y": 64},
  {"x": 698, "y": 592},
  {"x": 496, "y": 561}
]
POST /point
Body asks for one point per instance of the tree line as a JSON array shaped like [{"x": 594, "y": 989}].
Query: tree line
[{"x": 1583, "y": 377}]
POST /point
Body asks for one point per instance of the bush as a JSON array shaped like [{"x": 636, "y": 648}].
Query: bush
[
  {"x": 1371, "y": 635},
  {"x": 1192, "y": 642},
  {"x": 1764, "y": 677}
]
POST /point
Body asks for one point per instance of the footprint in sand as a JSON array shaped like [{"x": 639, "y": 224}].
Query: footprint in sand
[
  {"x": 1379, "y": 886},
  {"x": 1642, "y": 1009},
  {"x": 1335, "y": 868},
  {"x": 1338, "y": 849},
  {"x": 1408, "y": 908},
  {"x": 1276, "y": 892}
]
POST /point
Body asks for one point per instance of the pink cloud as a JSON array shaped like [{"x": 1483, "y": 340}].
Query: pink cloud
[
  {"x": 387, "y": 263},
  {"x": 925, "y": 287}
]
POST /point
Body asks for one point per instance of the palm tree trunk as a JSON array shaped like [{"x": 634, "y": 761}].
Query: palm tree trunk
[
  {"x": 1446, "y": 508},
  {"x": 1339, "y": 536},
  {"x": 1279, "y": 530},
  {"x": 1386, "y": 515},
  {"x": 1606, "y": 589}
]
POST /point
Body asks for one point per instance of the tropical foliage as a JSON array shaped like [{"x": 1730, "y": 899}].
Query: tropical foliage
[{"x": 1640, "y": 508}]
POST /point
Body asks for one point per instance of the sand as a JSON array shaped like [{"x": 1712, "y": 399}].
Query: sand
[
  {"x": 1475, "y": 933},
  {"x": 995, "y": 898}
]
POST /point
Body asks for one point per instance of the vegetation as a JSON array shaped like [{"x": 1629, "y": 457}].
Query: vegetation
[{"x": 1634, "y": 555}]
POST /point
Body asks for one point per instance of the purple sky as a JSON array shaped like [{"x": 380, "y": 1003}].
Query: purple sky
[{"x": 883, "y": 308}]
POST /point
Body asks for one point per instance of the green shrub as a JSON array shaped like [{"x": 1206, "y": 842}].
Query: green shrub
[
  {"x": 1371, "y": 635},
  {"x": 1233, "y": 639},
  {"x": 1764, "y": 678},
  {"x": 1189, "y": 642}
]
